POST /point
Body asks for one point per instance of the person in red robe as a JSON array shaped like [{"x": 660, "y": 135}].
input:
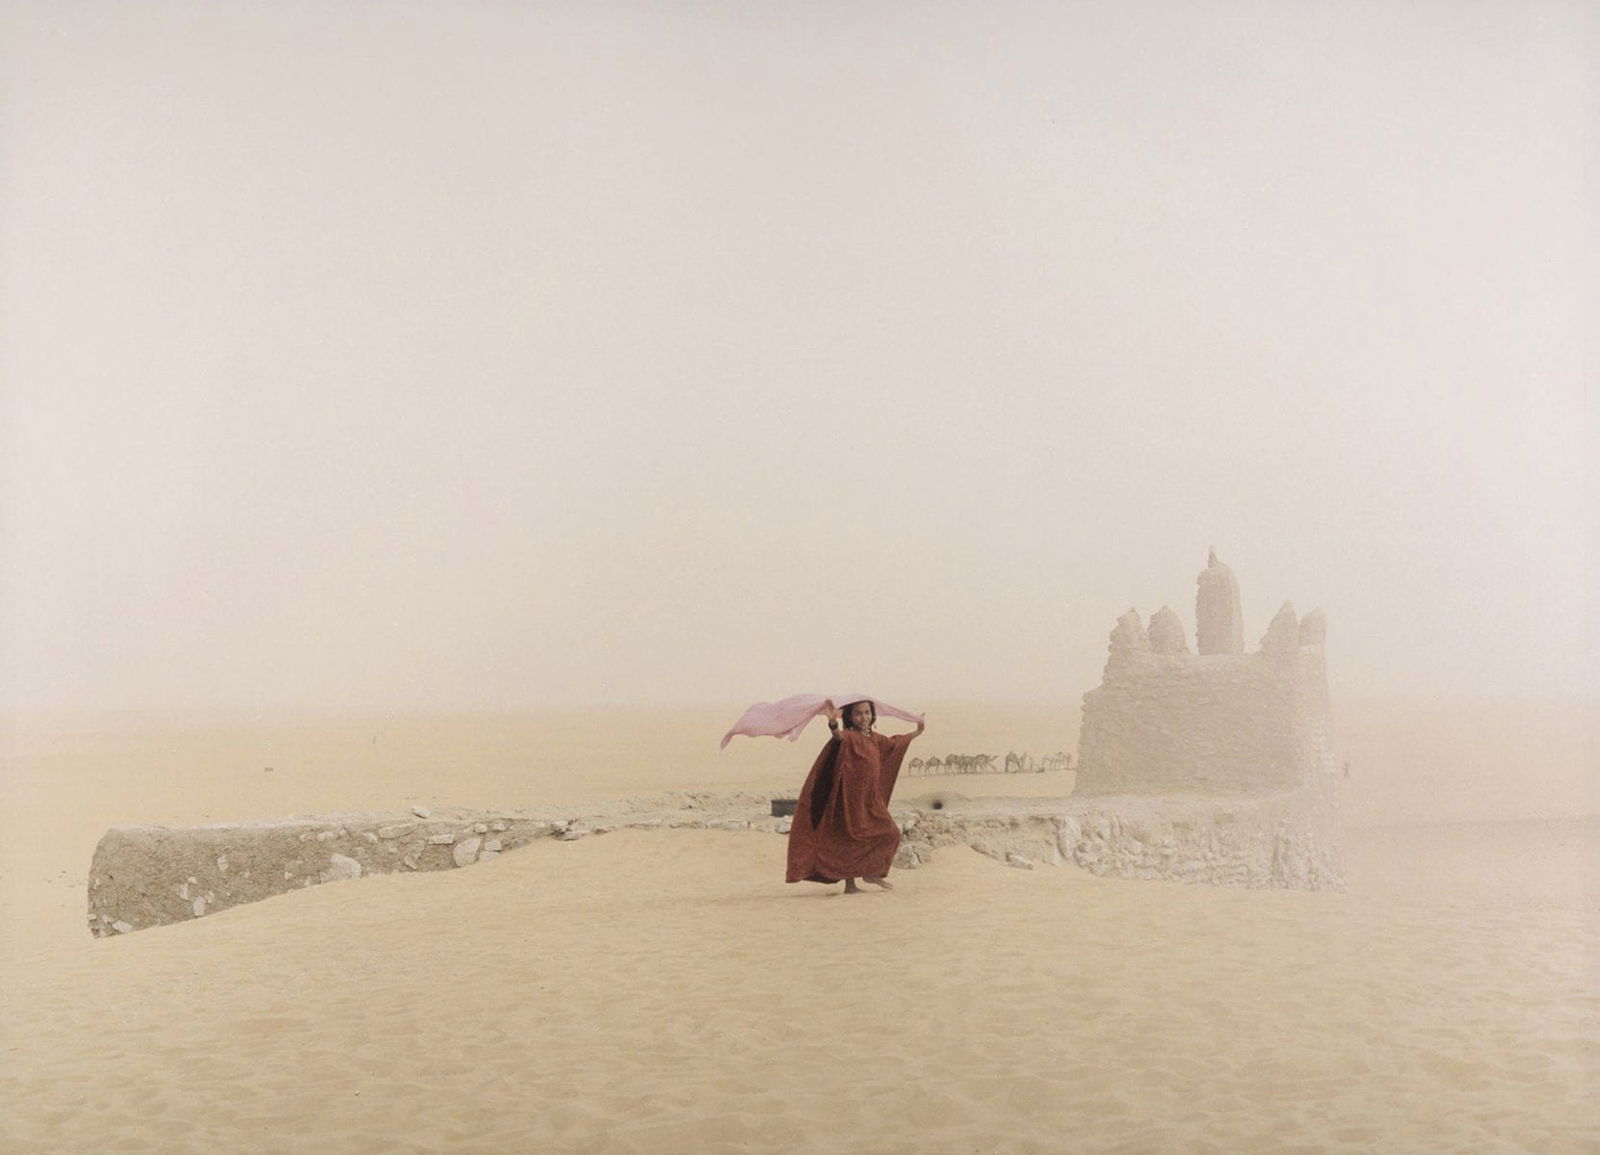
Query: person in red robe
[{"x": 842, "y": 828}]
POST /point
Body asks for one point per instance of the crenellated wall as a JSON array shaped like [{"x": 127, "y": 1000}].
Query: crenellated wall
[{"x": 1167, "y": 721}]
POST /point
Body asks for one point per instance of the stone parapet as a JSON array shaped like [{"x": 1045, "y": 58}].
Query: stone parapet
[
  {"x": 1291, "y": 840},
  {"x": 144, "y": 876}
]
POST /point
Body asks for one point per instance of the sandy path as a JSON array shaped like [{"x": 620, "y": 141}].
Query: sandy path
[
  {"x": 661, "y": 991},
  {"x": 664, "y": 992}
]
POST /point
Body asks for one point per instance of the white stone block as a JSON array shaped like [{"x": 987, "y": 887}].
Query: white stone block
[{"x": 340, "y": 868}]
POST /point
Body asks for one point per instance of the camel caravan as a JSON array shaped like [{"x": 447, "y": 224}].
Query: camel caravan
[{"x": 985, "y": 764}]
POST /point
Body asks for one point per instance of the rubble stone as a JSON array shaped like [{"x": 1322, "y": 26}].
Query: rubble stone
[{"x": 1259, "y": 839}]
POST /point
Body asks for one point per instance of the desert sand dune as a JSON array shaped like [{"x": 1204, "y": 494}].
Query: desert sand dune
[{"x": 664, "y": 991}]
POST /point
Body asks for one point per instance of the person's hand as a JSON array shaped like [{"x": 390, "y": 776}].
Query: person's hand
[
  {"x": 832, "y": 712},
  {"x": 921, "y": 726}
]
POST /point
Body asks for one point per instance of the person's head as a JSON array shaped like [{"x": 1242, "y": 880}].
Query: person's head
[{"x": 860, "y": 715}]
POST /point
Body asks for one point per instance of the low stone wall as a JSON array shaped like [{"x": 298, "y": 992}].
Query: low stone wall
[
  {"x": 1293, "y": 840},
  {"x": 145, "y": 876}
]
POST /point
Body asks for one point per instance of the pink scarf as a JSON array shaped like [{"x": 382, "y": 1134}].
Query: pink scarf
[{"x": 787, "y": 718}]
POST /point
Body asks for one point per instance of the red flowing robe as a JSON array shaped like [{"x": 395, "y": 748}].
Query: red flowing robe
[{"x": 841, "y": 826}]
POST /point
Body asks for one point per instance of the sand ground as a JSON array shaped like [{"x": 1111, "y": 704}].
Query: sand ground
[{"x": 664, "y": 991}]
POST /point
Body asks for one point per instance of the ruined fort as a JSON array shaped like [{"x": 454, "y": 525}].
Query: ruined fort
[
  {"x": 1208, "y": 767},
  {"x": 1218, "y": 720}
]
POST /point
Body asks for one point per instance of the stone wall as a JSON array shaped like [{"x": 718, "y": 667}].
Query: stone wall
[
  {"x": 1167, "y": 721},
  {"x": 153, "y": 875},
  {"x": 1291, "y": 840},
  {"x": 144, "y": 876}
]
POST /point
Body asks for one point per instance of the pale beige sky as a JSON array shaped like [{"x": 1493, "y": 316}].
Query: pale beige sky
[{"x": 387, "y": 355}]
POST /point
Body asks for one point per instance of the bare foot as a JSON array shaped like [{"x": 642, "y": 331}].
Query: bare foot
[
  {"x": 883, "y": 882},
  {"x": 850, "y": 886}
]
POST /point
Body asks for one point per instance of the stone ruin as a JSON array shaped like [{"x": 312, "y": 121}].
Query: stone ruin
[
  {"x": 143, "y": 876},
  {"x": 1211, "y": 767},
  {"x": 1220, "y": 723},
  {"x": 149, "y": 876}
]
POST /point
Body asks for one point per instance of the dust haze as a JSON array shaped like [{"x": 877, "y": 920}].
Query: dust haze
[
  {"x": 412, "y": 405},
  {"x": 509, "y": 356}
]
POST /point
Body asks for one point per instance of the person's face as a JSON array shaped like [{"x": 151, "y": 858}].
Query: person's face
[{"x": 860, "y": 717}]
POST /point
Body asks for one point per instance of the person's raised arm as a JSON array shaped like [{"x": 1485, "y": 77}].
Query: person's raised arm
[
  {"x": 832, "y": 712},
  {"x": 904, "y": 740}
]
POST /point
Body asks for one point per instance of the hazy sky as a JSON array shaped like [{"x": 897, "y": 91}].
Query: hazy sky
[{"x": 388, "y": 355}]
